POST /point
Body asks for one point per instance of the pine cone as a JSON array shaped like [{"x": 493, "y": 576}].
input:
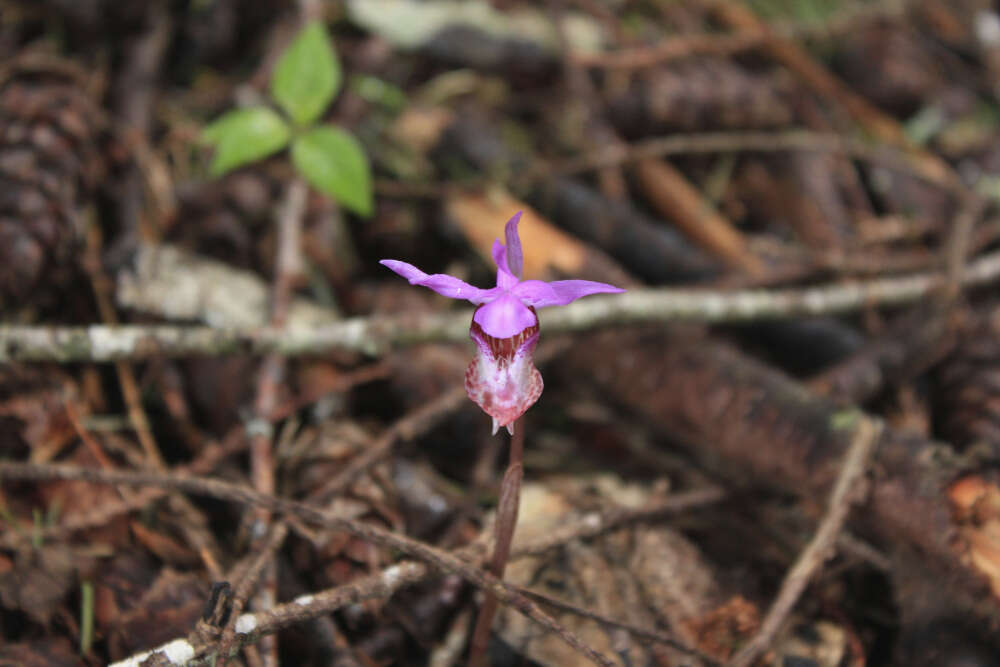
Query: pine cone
[
  {"x": 708, "y": 94},
  {"x": 49, "y": 166},
  {"x": 969, "y": 385}
]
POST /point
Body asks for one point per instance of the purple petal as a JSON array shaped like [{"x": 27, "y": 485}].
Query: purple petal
[
  {"x": 500, "y": 255},
  {"x": 541, "y": 294},
  {"x": 505, "y": 317},
  {"x": 515, "y": 257},
  {"x": 442, "y": 283},
  {"x": 505, "y": 279}
]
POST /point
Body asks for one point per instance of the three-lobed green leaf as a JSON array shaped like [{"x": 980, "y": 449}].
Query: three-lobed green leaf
[
  {"x": 307, "y": 75},
  {"x": 243, "y": 136},
  {"x": 305, "y": 80},
  {"x": 335, "y": 163}
]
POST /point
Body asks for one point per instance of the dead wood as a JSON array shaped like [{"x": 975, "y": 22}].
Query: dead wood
[{"x": 760, "y": 427}]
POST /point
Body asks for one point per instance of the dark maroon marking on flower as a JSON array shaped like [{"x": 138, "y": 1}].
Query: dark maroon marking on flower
[
  {"x": 501, "y": 378},
  {"x": 503, "y": 349}
]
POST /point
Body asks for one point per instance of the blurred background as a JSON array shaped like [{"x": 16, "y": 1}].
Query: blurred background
[{"x": 800, "y": 196}]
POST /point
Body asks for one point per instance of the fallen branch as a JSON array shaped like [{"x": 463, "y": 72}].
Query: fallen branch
[
  {"x": 377, "y": 335},
  {"x": 728, "y": 44},
  {"x": 650, "y": 636},
  {"x": 382, "y": 585},
  {"x": 175, "y": 284},
  {"x": 432, "y": 556},
  {"x": 823, "y": 544},
  {"x": 406, "y": 428},
  {"x": 269, "y": 379},
  {"x": 879, "y": 154},
  {"x": 749, "y": 422}
]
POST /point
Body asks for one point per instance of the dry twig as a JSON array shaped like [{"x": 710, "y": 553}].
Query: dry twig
[
  {"x": 846, "y": 492},
  {"x": 727, "y": 44},
  {"x": 407, "y": 428},
  {"x": 262, "y": 468},
  {"x": 637, "y": 632},
  {"x": 433, "y": 556},
  {"x": 254, "y": 572},
  {"x": 376, "y": 336},
  {"x": 190, "y": 519},
  {"x": 970, "y": 208},
  {"x": 382, "y": 585},
  {"x": 764, "y": 142}
]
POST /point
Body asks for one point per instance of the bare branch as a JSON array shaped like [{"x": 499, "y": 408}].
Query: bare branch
[
  {"x": 382, "y": 585},
  {"x": 434, "y": 557},
  {"x": 375, "y": 335},
  {"x": 823, "y": 544},
  {"x": 763, "y": 142}
]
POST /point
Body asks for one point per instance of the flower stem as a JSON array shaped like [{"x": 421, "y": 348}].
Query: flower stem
[{"x": 506, "y": 521}]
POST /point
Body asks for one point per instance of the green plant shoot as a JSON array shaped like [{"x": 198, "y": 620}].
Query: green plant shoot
[{"x": 306, "y": 79}]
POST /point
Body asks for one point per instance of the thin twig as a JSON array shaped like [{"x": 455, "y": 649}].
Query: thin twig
[
  {"x": 598, "y": 523},
  {"x": 377, "y": 336},
  {"x": 742, "y": 20},
  {"x": 287, "y": 266},
  {"x": 382, "y": 585},
  {"x": 635, "y": 631},
  {"x": 206, "y": 462},
  {"x": 727, "y": 44},
  {"x": 920, "y": 164},
  {"x": 433, "y": 556},
  {"x": 823, "y": 544},
  {"x": 407, "y": 428},
  {"x": 761, "y": 142},
  {"x": 102, "y": 289},
  {"x": 957, "y": 250},
  {"x": 189, "y": 519},
  {"x": 253, "y": 573},
  {"x": 666, "y": 50},
  {"x": 134, "y": 95}
]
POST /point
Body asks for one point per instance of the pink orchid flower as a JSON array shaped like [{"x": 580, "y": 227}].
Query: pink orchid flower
[{"x": 502, "y": 378}]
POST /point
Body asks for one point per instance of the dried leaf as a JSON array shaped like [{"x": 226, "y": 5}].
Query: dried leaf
[{"x": 39, "y": 582}]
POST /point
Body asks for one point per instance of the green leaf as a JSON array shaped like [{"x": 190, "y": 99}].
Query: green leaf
[
  {"x": 243, "y": 136},
  {"x": 335, "y": 163},
  {"x": 307, "y": 75},
  {"x": 378, "y": 91}
]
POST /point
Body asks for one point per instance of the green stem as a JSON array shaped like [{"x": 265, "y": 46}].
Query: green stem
[{"x": 86, "y": 617}]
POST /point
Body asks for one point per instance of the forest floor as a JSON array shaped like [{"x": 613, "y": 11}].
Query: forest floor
[{"x": 227, "y": 431}]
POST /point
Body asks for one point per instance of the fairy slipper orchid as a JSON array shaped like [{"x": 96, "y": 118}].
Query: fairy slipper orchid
[{"x": 502, "y": 378}]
